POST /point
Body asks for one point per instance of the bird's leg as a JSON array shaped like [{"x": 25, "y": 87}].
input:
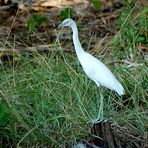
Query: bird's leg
[{"x": 100, "y": 115}]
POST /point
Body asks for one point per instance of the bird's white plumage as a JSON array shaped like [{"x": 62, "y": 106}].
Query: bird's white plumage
[
  {"x": 99, "y": 73},
  {"x": 95, "y": 69}
]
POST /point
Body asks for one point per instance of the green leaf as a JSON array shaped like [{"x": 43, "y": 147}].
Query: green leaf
[
  {"x": 36, "y": 20},
  {"x": 31, "y": 24},
  {"x": 140, "y": 39},
  {"x": 97, "y": 4},
  {"x": 39, "y": 19},
  {"x": 36, "y": 17},
  {"x": 43, "y": 21},
  {"x": 66, "y": 13}
]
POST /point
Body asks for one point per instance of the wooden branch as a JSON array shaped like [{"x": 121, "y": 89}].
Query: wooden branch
[{"x": 101, "y": 134}]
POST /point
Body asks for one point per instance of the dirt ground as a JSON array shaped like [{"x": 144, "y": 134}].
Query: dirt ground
[{"x": 97, "y": 26}]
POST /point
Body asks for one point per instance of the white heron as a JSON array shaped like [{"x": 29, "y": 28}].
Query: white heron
[{"x": 94, "y": 68}]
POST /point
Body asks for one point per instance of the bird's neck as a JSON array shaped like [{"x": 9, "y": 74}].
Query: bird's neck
[{"x": 76, "y": 41}]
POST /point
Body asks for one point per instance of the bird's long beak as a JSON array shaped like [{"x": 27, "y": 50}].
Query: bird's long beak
[{"x": 60, "y": 25}]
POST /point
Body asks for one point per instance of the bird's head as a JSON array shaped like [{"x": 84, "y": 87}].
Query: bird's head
[{"x": 67, "y": 22}]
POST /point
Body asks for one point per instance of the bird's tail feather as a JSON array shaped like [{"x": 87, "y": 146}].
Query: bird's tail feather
[{"x": 120, "y": 90}]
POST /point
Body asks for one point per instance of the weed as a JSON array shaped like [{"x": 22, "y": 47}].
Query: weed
[
  {"x": 36, "y": 21},
  {"x": 66, "y": 13},
  {"x": 132, "y": 30},
  {"x": 97, "y": 4}
]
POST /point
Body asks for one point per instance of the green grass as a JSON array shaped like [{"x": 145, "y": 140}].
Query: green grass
[{"x": 48, "y": 100}]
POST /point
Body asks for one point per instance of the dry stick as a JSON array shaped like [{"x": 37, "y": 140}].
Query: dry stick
[
  {"x": 5, "y": 7},
  {"x": 21, "y": 50}
]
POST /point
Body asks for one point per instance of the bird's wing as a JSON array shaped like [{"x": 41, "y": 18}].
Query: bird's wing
[{"x": 98, "y": 72}]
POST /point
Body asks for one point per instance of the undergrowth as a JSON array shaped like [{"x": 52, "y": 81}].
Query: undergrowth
[{"x": 48, "y": 100}]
